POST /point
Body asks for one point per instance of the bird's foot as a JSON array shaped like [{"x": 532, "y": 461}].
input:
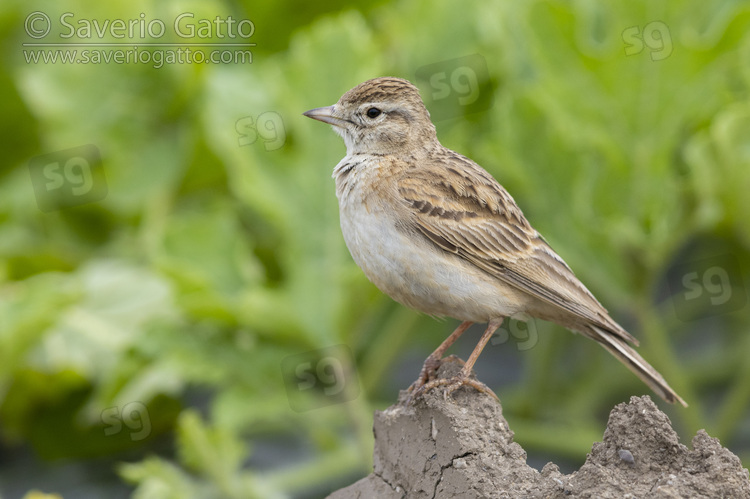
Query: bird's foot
[
  {"x": 454, "y": 383},
  {"x": 429, "y": 381},
  {"x": 427, "y": 374}
]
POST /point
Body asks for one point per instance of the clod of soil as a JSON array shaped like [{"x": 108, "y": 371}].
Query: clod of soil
[{"x": 463, "y": 447}]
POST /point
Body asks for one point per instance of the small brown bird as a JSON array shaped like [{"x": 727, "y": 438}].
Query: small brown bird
[{"x": 437, "y": 233}]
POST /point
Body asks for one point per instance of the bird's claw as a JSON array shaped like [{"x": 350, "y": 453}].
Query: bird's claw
[{"x": 451, "y": 385}]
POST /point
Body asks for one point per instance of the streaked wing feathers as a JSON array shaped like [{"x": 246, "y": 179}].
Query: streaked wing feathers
[{"x": 465, "y": 211}]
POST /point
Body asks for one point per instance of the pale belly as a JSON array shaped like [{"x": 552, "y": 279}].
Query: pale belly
[{"x": 415, "y": 273}]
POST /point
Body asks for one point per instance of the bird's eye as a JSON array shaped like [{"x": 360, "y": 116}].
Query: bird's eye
[{"x": 373, "y": 112}]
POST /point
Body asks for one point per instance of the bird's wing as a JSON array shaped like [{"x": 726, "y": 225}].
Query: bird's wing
[{"x": 462, "y": 209}]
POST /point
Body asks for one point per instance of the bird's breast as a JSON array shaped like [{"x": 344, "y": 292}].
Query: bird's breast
[{"x": 404, "y": 264}]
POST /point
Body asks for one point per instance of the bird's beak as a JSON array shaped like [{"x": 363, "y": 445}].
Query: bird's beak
[{"x": 325, "y": 114}]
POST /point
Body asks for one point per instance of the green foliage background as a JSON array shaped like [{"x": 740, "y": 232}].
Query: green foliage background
[{"x": 209, "y": 262}]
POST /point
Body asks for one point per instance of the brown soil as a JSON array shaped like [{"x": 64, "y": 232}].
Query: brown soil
[{"x": 463, "y": 447}]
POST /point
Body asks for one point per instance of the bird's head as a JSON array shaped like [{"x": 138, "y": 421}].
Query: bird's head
[{"x": 380, "y": 116}]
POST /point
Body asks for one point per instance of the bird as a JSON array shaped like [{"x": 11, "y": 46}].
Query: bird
[{"x": 437, "y": 233}]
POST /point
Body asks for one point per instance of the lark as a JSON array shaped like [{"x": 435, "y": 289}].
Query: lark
[{"x": 437, "y": 233}]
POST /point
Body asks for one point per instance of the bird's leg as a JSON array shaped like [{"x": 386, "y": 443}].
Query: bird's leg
[
  {"x": 491, "y": 328},
  {"x": 433, "y": 360},
  {"x": 463, "y": 379}
]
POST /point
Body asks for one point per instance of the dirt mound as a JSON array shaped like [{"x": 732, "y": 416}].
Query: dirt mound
[{"x": 463, "y": 447}]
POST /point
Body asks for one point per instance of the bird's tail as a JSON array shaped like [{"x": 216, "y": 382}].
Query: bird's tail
[{"x": 628, "y": 356}]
